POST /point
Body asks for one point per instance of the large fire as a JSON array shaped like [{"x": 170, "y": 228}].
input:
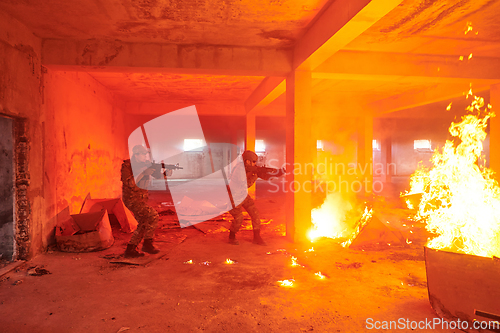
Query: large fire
[
  {"x": 461, "y": 200},
  {"x": 329, "y": 219}
]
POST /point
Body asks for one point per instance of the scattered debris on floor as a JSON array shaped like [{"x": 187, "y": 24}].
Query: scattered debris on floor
[
  {"x": 37, "y": 271},
  {"x": 17, "y": 282},
  {"x": 141, "y": 261},
  {"x": 84, "y": 232},
  {"x": 166, "y": 212},
  {"x": 349, "y": 266}
]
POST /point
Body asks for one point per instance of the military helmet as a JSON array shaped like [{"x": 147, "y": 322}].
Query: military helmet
[
  {"x": 249, "y": 155},
  {"x": 139, "y": 149}
]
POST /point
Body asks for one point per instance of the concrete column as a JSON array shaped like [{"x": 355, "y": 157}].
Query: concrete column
[
  {"x": 300, "y": 150},
  {"x": 250, "y": 132},
  {"x": 250, "y": 142},
  {"x": 365, "y": 153},
  {"x": 495, "y": 131},
  {"x": 386, "y": 159}
]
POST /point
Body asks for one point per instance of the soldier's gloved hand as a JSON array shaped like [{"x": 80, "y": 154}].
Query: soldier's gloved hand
[
  {"x": 251, "y": 168},
  {"x": 148, "y": 172}
]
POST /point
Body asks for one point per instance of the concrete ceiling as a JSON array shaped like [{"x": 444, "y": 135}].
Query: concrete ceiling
[
  {"x": 159, "y": 87},
  {"x": 412, "y": 56},
  {"x": 264, "y": 23},
  {"x": 409, "y": 57}
]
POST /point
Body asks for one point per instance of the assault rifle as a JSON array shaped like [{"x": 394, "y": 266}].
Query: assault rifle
[
  {"x": 168, "y": 168},
  {"x": 266, "y": 173}
]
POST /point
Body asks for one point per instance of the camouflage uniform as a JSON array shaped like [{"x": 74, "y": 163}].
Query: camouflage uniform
[
  {"x": 248, "y": 203},
  {"x": 136, "y": 199}
]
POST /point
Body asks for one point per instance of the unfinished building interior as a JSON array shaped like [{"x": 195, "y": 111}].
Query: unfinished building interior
[{"x": 356, "y": 100}]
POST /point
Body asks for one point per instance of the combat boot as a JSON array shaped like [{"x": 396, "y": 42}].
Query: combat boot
[
  {"x": 131, "y": 252},
  {"x": 257, "y": 239},
  {"x": 232, "y": 238},
  {"x": 148, "y": 247}
]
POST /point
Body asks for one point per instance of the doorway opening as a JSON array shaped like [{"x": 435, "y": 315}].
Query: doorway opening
[{"x": 7, "y": 190}]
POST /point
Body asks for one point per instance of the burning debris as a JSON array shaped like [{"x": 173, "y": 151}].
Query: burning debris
[
  {"x": 286, "y": 283},
  {"x": 461, "y": 199},
  {"x": 367, "y": 215},
  {"x": 329, "y": 219},
  {"x": 295, "y": 263}
]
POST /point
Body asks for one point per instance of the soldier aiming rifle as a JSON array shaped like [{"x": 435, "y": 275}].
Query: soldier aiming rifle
[
  {"x": 135, "y": 176},
  {"x": 243, "y": 180}
]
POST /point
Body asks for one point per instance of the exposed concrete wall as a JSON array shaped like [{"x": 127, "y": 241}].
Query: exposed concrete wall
[
  {"x": 85, "y": 143},
  {"x": 20, "y": 99}
]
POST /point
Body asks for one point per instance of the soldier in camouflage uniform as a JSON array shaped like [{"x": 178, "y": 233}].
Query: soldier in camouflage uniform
[
  {"x": 249, "y": 159},
  {"x": 135, "y": 197}
]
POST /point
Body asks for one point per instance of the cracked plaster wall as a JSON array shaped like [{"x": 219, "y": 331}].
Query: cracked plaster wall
[{"x": 68, "y": 137}]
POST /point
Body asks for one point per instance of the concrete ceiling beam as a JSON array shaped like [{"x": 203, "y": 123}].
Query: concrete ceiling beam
[
  {"x": 431, "y": 94},
  {"x": 339, "y": 24},
  {"x": 268, "y": 90},
  {"x": 335, "y": 27},
  {"x": 385, "y": 66},
  {"x": 117, "y": 56},
  {"x": 203, "y": 108}
]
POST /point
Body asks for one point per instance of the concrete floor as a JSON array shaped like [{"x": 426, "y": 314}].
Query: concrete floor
[{"x": 85, "y": 292}]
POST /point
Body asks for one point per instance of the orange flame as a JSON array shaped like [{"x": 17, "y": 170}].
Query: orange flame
[
  {"x": 468, "y": 28},
  {"x": 418, "y": 182},
  {"x": 461, "y": 203},
  {"x": 328, "y": 220},
  {"x": 367, "y": 215},
  {"x": 286, "y": 283}
]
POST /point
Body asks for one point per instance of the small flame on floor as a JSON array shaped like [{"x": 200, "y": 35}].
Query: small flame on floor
[
  {"x": 295, "y": 263},
  {"x": 229, "y": 262},
  {"x": 318, "y": 274},
  {"x": 286, "y": 283},
  {"x": 468, "y": 28},
  {"x": 189, "y": 262}
]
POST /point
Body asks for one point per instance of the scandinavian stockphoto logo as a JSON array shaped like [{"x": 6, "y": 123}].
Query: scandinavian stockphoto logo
[{"x": 206, "y": 180}]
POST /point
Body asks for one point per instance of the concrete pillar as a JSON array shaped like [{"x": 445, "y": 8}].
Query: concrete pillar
[
  {"x": 250, "y": 142},
  {"x": 250, "y": 132},
  {"x": 365, "y": 153},
  {"x": 386, "y": 159},
  {"x": 495, "y": 131},
  {"x": 300, "y": 150}
]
